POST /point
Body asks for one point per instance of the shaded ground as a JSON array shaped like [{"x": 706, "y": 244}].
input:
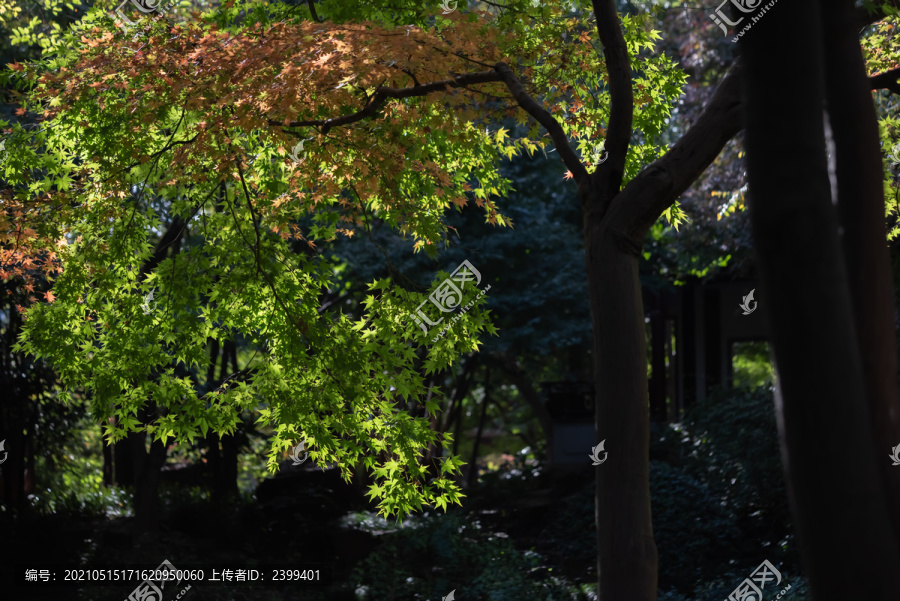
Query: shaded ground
[
  {"x": 719, "y": 510},
  {"x": 303, "y": 519}
]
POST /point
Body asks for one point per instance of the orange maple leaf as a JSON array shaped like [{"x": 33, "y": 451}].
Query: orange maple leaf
[
  {"x": 50, "y": 296},
  {"x": 568, "y": 175}
]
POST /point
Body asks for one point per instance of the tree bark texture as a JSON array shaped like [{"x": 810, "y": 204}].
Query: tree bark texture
[
  {"x": 860, "y": 203},
  {"x": 836, "y": 492}
]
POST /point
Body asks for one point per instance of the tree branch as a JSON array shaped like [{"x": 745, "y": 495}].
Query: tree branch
[
  {"x": 500, "y": 73},
  {"x": 312, "y": 10},
  {"x": 383, "y": 93},
  {"x": 886, "y": 81},
  {"x": 608, "y": 178},
  {"x": 252, "y": 216},
  {"x": 531, "y": 106},
  {"x": 660, "y": 184}
]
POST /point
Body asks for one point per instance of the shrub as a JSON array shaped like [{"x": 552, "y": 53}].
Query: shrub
[{"x": 449, "y": 552}]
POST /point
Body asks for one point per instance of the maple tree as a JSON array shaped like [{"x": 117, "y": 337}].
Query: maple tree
[
  {"x": 182, "y": 133},
  {"x": 189, "y": 125}
]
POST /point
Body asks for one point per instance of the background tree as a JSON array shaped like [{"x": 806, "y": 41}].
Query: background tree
[
  {"x": 171, "y": 118},
  {"x": 830, "y": 323}
]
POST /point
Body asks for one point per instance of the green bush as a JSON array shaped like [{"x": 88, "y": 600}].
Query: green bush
[
  {"x": 449, "y": 552},
  {"x": 694, "y": 533},
  {"x": 720, "y": 505},
  {"x": 733, "y": 450}
]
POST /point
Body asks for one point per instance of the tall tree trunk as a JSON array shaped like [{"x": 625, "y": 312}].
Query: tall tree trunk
[
  {"x": 837, "y": 496},
  {"x": 108, "y": 464},
  {"x": 123, "y": 462},
  {"x": 860, "y": 202},
  {"x": 146, "y": 465},
  {"x": 13, "y": 470},
  {"x": 457, "y": 427},
  {"x": 229, "y": 464},
  {"x": 658, "y": 357},
  {"x": 30, "y": 478},
  {"x": 146, "y": 484},
  {"x": 473, "y": 465},
  {"x": 627, "y": 559},
  {"x": 616, "y": 220}
]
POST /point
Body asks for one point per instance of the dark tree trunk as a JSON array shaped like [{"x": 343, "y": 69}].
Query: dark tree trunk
[
  {"x": 457, "y": 428},
  {"x": 658, "y": 358},
  {"x": 616, "y": 220},
  {"x": 229, "y": 464},
  {"x": 146, "y": 484},
  {"x": 13, "y": 471},
  {"x": 146, "y": 465},
  {"x": 214, "y": 466},
  {"x": 615, "y": 224},
  {"x": 123, "y": 462},
  {"x": 860, "y": 202},
  {"x": 108, "y": 465},
  {"x": 626, "y": 550},
  {"x": 473, "y": 465},
  {"x": 30, "y": 479},
  {"x": 455, "y": 399},
  {"x": 836, "y": 492},
  {"x": 226, "y": 479},
  {"x": 222, "y": 464}
]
